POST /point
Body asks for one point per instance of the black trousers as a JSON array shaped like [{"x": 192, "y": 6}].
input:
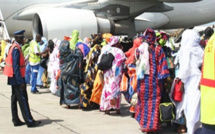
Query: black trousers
[
  {"x": 19, "y": 94},
  {"x": 208, "y": 129}
]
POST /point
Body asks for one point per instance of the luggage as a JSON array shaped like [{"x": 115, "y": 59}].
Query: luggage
[{"x": 166, "y": 112}]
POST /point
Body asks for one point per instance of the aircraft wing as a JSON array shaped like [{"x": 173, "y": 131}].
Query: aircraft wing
[
  {"x": 27, "y": 13},
  {"x": 178, "y": 1}
]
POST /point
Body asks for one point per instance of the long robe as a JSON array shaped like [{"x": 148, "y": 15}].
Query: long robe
[
  {"x": 71, "y": 74},
  {"x": 54, "y": 67},
  {"x": 97, "y": 88},
  {"x": 89, "y": 75},
  {"x": 149, "y": 92},
  {"x": 192, "y": 103},
  {"x": 112, "y": 79},
  {"x": 190, "y": 61}
]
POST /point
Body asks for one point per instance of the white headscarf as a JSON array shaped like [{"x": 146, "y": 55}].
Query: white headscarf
[
  {"x": 44, "y": 45},
  {"x": 190, "y": 55},
  {"x": 113, "y": 40},
  {"x": 57, "y": 42}
]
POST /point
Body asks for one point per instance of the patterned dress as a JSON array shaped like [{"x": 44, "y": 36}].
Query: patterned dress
[
  {"x": 112, "y": 79},
  {"x": 149, "y": 92},
  {"x": 89, "y": 75},
  {"x": 71, "y": 63}
]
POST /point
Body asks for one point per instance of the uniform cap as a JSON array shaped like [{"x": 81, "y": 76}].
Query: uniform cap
[{"x": 19, "y": 33}]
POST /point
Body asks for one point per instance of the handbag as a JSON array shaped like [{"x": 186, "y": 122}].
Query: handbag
[
  {"x": 166, "y": 112},
  {"x": 106, "y": 61},
  {"x": 177, "y": 93}
]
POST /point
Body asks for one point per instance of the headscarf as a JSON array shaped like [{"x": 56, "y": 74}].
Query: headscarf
[
  {"x": 65, "y": 51},
  {"x": 107, "y": 37},
  {"x": 130, "y": 52},
  {"x": 161, "y": 38},
  {"x": 190, "y": 55},
  {"x": 149, "y": 36},
  {"x": 67, "y": 38},
  {"x": 57, "y": 42},
  {"x": 96, "y": 39},
  {"x": 64, "y": 48},
  {"x": 74, "y": 40},
  {"x": 87, "y": 41},
  {"x": 84, "y": 48},
  {"x": 113, "y": 41},
  {"x": 44, "y": 45}
]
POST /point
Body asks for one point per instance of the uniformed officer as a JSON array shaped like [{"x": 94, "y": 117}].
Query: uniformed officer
[{"x": 15, "y": 70}]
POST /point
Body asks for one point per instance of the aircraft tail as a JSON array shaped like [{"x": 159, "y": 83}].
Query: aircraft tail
[{"x": 3, "y": 29}]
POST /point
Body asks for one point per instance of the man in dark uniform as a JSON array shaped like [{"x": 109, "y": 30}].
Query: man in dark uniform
[{"x": 17, "y": 82}]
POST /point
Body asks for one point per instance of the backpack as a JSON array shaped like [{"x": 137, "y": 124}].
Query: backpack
[{"x": 106, "y": 61}]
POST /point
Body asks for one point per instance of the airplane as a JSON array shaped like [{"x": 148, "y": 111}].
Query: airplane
[{"x": 57, "y": 18}]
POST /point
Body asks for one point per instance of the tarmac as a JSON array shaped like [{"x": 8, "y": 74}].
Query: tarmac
[{"x": 58, "y": 120}]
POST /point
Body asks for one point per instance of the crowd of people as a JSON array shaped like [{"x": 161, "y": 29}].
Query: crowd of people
[{"x": 99, "y": 71}]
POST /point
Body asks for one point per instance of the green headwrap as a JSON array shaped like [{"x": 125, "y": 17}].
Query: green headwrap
[{"x": 74, "y": 40}]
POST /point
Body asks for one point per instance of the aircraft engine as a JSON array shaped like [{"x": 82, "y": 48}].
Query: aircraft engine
[
  {"x": 60, "y": 22},
  {"x": 152, "y": 20}
]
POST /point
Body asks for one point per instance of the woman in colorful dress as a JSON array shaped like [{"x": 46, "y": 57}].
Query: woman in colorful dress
[
  {"x": 148, "y": 90},
  {"x": 111, "y": 96},
  {"x": 90, "y": 72},
  {"x": 129, "y": 78}
]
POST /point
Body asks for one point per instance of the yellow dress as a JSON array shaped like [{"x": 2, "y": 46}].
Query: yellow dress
[{"x": 97, "y": 88}]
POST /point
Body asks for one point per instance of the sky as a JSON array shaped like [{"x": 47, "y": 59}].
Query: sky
[{"x": 209, "y": 24}]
